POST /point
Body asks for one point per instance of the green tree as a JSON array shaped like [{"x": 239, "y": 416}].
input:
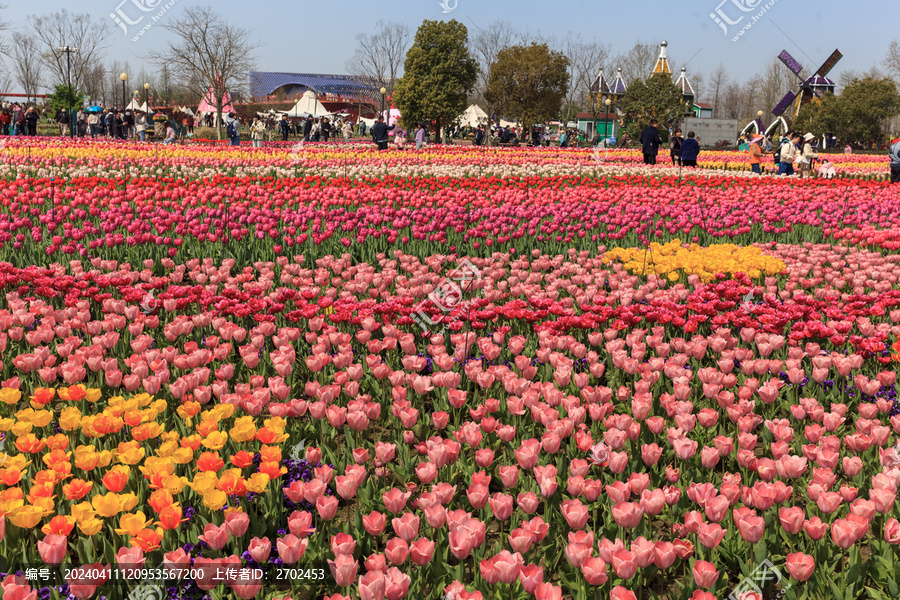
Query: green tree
[
  {"x": 858, "y": 114},
  {"x": 529, "y": 83},
  {"x": 64, "y": 97},
  {"x": 656, "y": 98},
  {"x": 438, "y": 75}
]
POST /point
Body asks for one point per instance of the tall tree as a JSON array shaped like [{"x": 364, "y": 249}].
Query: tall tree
[
  {"x": 529, "y": 82},
  {"x": 209, "y": 52},
  {"x": 656, "y": 98},
  {"x": 438, "y": 75},
  {"x": 717, "y": 84},
  {"x": 638, "y": 63},
  {"x": 585, "y": 61},
  {"x": 60, "y": 29},
  {"x": 379, "y": 55},
  {"x": 892, "y": 59},
  {"x": 28, "y": 70}
]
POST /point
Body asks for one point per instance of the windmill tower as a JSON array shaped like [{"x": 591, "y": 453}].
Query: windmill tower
[
  {"x": 687, "y": 92},
  {"x": 662, "y": 63}
]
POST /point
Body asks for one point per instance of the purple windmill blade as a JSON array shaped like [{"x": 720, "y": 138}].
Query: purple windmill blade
[
  {"x": 828, "y": 65},
  {"x": 784, "y": 104},
  {"x": 790, "y": 62}
]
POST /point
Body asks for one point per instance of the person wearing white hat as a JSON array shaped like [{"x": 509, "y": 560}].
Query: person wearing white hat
[
  {"x": 756, "y": 154},
  {"x": 807, "y": 156}
]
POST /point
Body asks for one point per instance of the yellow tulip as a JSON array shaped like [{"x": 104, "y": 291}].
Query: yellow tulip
[
  {"x": 174, "y": 485},
  {"x": 83, "y": 511},
  {"x": 204, "y": 482},
  {"x": 70, "y": 419},
  {"x": 21, "y": 429},
  {"x": 243, "y": 430},
  {"x": 257, "y": 483},
  {"x": 214, "y": 499},
  {"x": 90, "y": 526},
  {"x": 108, "y": 505},
  {"x": 183, "y": 456},
  {"x": 215, "y": 440},
  {"x": 10, "y": 396},
  {"x": 92, "y": 395},
  {"x": 131, "y": 523},
  {"x": 130, "y": 454},
  {"x": 129, "y": 501},
  {"x": 26, "y": 516},
  {"x": 6, "y": 423}
]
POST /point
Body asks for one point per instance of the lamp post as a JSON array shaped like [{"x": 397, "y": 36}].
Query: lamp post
[
  {"x": 146, "y": 93},
  {"x": 68, "y": 50},
  {"x": 608, "y": 132},
  {"x": 124, "y": 78},
  {"x": 383, "y": 94},
  {"x": 759, "y": 115}
]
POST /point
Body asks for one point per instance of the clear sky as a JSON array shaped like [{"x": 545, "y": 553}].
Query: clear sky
[{"x": 319, "y": 37}]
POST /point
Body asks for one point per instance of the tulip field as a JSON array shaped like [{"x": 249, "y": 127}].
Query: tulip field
[{"x": 461, "y": 373}]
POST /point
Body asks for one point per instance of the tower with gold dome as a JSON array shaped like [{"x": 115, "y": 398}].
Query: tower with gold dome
[{"x": 662, "y": 63}]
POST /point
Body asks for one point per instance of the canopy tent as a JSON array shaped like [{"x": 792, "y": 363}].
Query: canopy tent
[
  {"x": 135, "y": 106},
  {"x": 208, "y": 105},
  {"x": 94, "y": 109},
  {"x": 473, "y": 117},
  {"x": 308, "y": 105},
  {"x": 394, "y": 116},
  {"x": 186, "y": 110}
]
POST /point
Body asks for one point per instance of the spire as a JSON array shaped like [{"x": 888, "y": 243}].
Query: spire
[
  {"x": 684, "y": 85},
  {"x": 600, "y": 85},
  {"x": 618, "y": 87},
  {"x": 662, "y": 63}
]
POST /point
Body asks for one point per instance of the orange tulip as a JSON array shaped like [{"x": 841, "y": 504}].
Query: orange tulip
[
  {"x": 232, "y": 484},
  {"x": 170, "y": 517},
  {"x": 267, "y": 436},
  {"x": 30, "y": 444},
  {"x": 210, "y": 461},
  {"x": 242, "y": 459},
  {"x": 207, "y": 427},
  {"x": 270, "y": 453},
  {"x": 42, "y": 396},
  {"x": 10, "y": 476},
  {"x": 160, "y": 499},
  {"x": 147, "y": 539},
  {"x": 73, "y": 393},
  {"x": 133, "y": 418},
  {"x": 42, "y": 490},
  {"x": 116, "y": 478},
  {"x": 60, "y": 441},
  {"x": 273, "y": 469},
  {"x": 77, "y": 489},
  {"x": 59, "y": 525},
  {"x": 192, "y": 441}
]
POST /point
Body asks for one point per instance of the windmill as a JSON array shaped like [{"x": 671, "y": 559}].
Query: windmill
[{"x": 811, "y": 87}]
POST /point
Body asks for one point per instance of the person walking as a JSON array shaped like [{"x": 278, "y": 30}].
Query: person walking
[
  {"x": 895, "y": 161},
  {"x": 420, "y": 136},
  {"x": 675, "y": 148},
  {"x": 807, "y": 156},
  {"x": 347, "y": 130},
  {"x": 5, "y": 120},
  {"x": 787, "y": 154},
  {"x": 257, "y": 132},
  {"x": 479, "y": 135},
  {"x": 756, "y": 154},
  {"x": 31, "y": 119},
  {"x": 285, "y": 126},
  {"x": 307, "y": 129},
  {"x": 233, "y": 129},
  {"x": 20, "y": 124},
  {"x": 380, "y": 133},
  {"x": 62, "y": 120},
  {"x": 690, "y": 150},
  {"x": 650, "y": 142},
  {"x": 324, "y": 129},
  {"x": 140, "y": 126}
]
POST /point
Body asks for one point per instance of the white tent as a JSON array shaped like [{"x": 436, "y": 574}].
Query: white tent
[
  {"x": 394, "y": 116},
  {"x": 135, "y": 106},
  {"x": 308, "y": 105},
  {"x": 186, "y": 111},
  {"x": 473, "y": 117}
]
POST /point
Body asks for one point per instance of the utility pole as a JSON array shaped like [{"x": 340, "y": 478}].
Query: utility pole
[{"x": 68, "y": 50}]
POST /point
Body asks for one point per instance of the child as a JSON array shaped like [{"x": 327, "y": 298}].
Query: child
[{"x": 827, "y": 170}]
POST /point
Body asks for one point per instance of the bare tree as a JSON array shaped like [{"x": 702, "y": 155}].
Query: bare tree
[
  {"x": 27, "y": 70},
  {"x": 638, "y": 62},
  {"x": 585, "y": 61},
  {"x": 717, "y": 84},
  {"x": 62, "y": 28},
  {"x": 213, "y": 55},
  {"x": 892, "y": 59},
  {"x": 698, "y": 82},
  {"x": 379, "y": 56}
]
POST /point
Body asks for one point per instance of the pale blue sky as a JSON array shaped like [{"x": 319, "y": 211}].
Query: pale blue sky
[{"x": 300, "y": 38}]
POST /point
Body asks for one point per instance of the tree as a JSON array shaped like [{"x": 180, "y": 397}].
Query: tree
[
  {"x": 892, "y": 59},
  {"x": 717, "y": 85},
  {"x": 864, "y": 105},
  {"x": 27, "y": 70},
  {"x": 820, "y": 116},
  {"x": 63, "y": 97},
  {"x": 638, "y": 63},
  {"x": 213, "y": 55},
  {"x": 378, "y": 56},
  {"x": 585, "y": 61},
  {"x": 438, "y": 75},
  {"x": 61, "y": 29},
  {"x": 656, "y": 98},
  {"x": 529, "y": 82}
]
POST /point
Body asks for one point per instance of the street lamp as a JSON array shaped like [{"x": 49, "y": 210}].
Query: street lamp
[
  {"x": 383, "y": 94},
  {"x": 608, "y": 132},
  {"x": 146, "y": 93},
  {"x": 124, "y": 78},
  {"x": 68, "y": 50}
]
